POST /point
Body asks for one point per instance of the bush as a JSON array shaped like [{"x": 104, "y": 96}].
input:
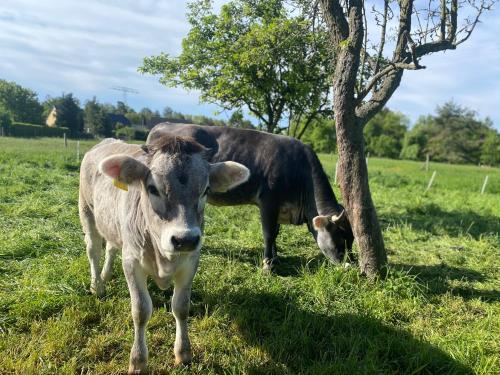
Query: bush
[
  {"x": 129, "y": 133},
  {"x": 124, "y": 132},
  {"x": 20, "y": 129},
  {"x": 141, "y": 135},
  {"x": 410, "y": 152}
]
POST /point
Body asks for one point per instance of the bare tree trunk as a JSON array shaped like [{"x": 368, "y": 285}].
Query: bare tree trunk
[
  {"x": 344, "y": 20},
  {"x": 353, "y": 178},
  {"x": 353, "y": 172}
]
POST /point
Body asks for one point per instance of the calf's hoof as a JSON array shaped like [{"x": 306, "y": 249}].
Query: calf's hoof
[
  {"x": 98, "y": 289},
  {"x": 183, "y": 358},
  {"x": 138, "y": 368}
]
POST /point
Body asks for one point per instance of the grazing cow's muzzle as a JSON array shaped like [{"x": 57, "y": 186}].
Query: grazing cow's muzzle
[{"x": 334, "y": 235}]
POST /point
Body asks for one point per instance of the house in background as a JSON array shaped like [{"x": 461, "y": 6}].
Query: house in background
[{"x": 114, "y": 118}]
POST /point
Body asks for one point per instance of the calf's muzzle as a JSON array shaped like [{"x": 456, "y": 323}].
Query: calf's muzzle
[{"x": 187, "y": 241}]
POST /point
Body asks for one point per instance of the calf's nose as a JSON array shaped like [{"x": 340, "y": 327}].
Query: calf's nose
[{"x": 185, "y": 242}]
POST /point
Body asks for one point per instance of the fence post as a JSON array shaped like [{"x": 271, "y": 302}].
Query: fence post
[
  {"x": 427, "y": 157},
  {"x": 431, "y": 180},
  {"x": 65, "y": 140},
  {"x": 367, "y": 157},
  {"x": 484, "y": 184},
  {"x": 78, "y": 151}
]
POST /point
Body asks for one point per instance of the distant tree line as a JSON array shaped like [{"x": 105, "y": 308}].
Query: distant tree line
[
  {"x": 453, "y": 134},
  {"x": 21, "y": 105}
]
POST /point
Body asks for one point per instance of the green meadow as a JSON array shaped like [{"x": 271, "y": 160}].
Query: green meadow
[{"x": 437, "y": 312}]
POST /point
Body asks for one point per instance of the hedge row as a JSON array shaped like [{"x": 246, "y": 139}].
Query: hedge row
[
  {"x": 128, "y": 133},
  {"x": 20, "y": 129}
]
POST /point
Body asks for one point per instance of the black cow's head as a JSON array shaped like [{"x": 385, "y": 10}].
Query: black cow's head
[{"x": 334, "y": 235}]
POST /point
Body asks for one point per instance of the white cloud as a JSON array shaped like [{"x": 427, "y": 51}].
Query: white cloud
[{"x": 86, "y": 47}]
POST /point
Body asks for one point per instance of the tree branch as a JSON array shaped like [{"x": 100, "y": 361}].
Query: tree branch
[
  {"x": 366, "y": 110},
  {"x": 452, "y": 32},
  {"x": 335, "y": 21},
  {"x": 382, "y": 38},
  {"x": 364, "y": 49},
  {"x": 388, "y": 69},
  {"x": 443, "y": 20}
]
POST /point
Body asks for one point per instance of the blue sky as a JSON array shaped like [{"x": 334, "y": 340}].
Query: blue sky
[{"x": 87, "y": 47}]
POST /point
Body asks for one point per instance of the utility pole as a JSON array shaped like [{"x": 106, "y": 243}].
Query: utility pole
[{"x": 125, "y": 91}]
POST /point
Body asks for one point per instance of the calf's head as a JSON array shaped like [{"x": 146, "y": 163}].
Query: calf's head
[
  {"x": 334, "y": 235},
  {"x": 174, "y": 179}
]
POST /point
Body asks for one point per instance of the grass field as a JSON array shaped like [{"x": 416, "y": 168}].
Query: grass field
[{"x": 438, "y": 311}]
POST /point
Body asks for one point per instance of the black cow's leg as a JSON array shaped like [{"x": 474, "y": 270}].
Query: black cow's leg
[
  {"x": 275, "y": 250},
  {"x": 270, "y": 229}
]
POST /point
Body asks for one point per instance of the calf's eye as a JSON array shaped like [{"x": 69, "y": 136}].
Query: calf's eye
[{"x": 153, "y": 190}]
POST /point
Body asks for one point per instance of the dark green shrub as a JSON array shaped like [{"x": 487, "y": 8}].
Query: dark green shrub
[
  {"x": 140, "y": 135},
  {"x": 20, "y": 129}
]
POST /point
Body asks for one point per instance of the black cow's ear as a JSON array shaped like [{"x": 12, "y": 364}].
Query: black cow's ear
[{"x": 145, "y": 148}]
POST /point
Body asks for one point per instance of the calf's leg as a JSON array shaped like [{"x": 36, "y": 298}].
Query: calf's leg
[
  {"x": 94, "y": 248},
  {"x": 270, "y": 229},
  {"x": 93, "y": 241},
  {"x": 180, "y": 308},
  {"x": 107, "y": 270},
  {"x": 141, "y": 312}
]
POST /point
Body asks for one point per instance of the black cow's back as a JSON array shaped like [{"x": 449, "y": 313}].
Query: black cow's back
[{"x": 278, "y": 164}]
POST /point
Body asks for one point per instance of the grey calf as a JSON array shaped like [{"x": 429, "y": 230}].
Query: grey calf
[{"x": 150, "y": 202}]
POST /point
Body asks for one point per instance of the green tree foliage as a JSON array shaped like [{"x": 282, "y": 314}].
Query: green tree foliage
[
  {"x": 454, "y": 135},
  {"x": 490, "y": 150},
  {"x": 167, "y": 112},
  {"x": 5, "y": 120},
  {"x": 122, "y": 109},
  {"x": 124, "y": 132},
  {"x": 385, "y": 132},
  {"x": 135, "y": 118},
  {"x": 21, "y": 103},
  {"x": 94, "y": 117},
  {"x": 69, "y": 113},
  {"x": 238, "y": 121},
  {"x": 146, "y": 113},
  {"x": 321, "y": 135},
  {"x": 254, "y": 53}
]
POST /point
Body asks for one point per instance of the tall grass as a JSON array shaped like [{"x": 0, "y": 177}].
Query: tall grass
[{"x": 437, "y": 311}]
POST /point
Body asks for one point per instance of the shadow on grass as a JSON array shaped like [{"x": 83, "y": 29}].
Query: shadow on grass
[
  {"x": 72, "y": 167},
  {"x": 433, "y": 219},
  {"x": 297, "y": 340},
  {"x": 436, "y": 278},
  {"x": 288, "y": 265}
]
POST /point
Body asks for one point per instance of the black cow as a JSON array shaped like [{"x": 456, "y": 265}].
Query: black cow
[{"x": 287, "y": 182}]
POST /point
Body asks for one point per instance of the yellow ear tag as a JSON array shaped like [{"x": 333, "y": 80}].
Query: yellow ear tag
[{"x": 120, "y": 185}]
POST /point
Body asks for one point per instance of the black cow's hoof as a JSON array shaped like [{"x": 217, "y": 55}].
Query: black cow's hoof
[{"x": 269, "y": 265}]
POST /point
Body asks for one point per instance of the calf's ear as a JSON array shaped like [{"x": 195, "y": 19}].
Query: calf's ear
[
  {"x": 123, "y": 168},
  {"x": 227, "y": 175}
]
